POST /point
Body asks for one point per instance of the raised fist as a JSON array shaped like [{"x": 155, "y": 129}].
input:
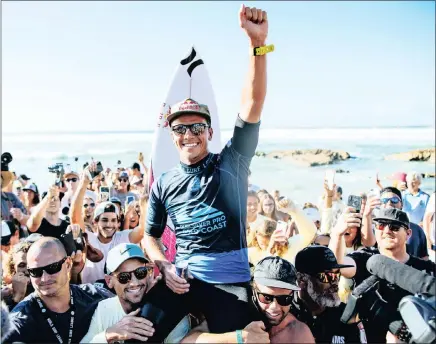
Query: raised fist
[{"x": 254, "y": 22}]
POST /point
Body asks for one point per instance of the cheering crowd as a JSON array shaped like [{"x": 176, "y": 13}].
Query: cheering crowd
[{"x": 85, "y": 261}]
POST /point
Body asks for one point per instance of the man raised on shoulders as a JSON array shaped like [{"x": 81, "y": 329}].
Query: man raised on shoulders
[{"x": 205, "y": 197}]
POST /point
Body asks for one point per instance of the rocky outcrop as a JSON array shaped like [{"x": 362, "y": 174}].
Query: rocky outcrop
[
  {"x": 308, "y": 157},
  {"x": 415, "y": 155},
  {"x": 428, "y": 175}
]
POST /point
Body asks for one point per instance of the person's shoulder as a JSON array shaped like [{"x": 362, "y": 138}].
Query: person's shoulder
[
  {"x": 363, "y": 254},
  {"x": 108, "y": 304},
  {"x": 90, "y": 290},
  {"x": 295, "y": 331},
  {"x": 421, "y": 264},
  {"x": 25, "y": 305},
  {"x": 122, "y": 237},
  {"x": 166, "y": 178},
  {"x": 423, "y": 193},
  {"x": 415, "y": 227},
  {"x": 365, "y": 251}
]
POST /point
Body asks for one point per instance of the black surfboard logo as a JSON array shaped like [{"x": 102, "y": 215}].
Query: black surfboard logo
[{"x": 190, "y": 60}]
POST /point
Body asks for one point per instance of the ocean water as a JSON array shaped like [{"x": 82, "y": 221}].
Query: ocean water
[{"x": 33, "y": 153}]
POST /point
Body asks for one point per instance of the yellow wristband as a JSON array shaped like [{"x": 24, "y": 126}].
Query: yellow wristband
[{"x": 259, "y": 51}]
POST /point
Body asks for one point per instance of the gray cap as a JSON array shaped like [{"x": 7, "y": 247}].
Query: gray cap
[{"x": 276, "y": 272}]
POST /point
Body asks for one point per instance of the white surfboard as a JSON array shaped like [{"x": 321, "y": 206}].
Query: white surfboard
[{"x": 190, "y": 80}]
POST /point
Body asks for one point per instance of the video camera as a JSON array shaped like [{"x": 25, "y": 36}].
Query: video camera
[
  {"x": 412, "y": 318},
  {"x": 58, "y": 169}
]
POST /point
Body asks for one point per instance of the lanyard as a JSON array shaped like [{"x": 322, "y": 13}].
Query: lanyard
[{"x": 51, "y": 324}]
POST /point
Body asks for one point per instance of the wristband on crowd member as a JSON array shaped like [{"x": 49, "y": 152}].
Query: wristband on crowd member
[
  {"x": 239, "y": 337},
  {"x": 259, "y": 51}
]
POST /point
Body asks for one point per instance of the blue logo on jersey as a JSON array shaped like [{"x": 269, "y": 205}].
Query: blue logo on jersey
[
  {"x": 200, "y": 219},
  {"x": 201, "y": 212}
]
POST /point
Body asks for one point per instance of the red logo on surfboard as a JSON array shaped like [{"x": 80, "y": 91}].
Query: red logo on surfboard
[{"x": 164, "y": 113}]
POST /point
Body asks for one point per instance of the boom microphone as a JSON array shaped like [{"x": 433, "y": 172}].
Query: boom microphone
[{"x": 412, "y": 280}]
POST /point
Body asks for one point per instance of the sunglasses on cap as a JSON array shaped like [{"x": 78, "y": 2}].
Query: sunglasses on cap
[
  {"x": 282, "y": 300},
  {"x": 71, "y": 180},
  {"x": 393, "y": 200},
  {"x": 394, "y": 227},
  {"x": 92, "y": 205},
  {"x": 140, "y": 273},
  {"x": 328, "y": 277},
  {"x": 51, "y": 269},
  {"x": 196, "y": 128}
]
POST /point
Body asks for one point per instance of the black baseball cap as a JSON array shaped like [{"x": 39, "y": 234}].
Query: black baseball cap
[
  {"x": 24, "y": 177},
  {"x": 136, "y": 166},
  {"x": 315, "y": 259},
  {"x": 392, "y": 215},
  {"x": 276, "y": 272}
]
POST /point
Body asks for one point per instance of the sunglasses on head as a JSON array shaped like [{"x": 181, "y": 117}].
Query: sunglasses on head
[
  {"x": 140, "y": 273},
  {"x": 392, "y": 226},
  {"x": 92, "y": 205},
  {"x": 196, "y": 128},
  {"x": 328, "y": 277},
  {"x": 71, "y": 180},
  {"x": 393, "y": 200},
  {"x": 282, "y": 300},
  {"x": 51, "y": 269}
]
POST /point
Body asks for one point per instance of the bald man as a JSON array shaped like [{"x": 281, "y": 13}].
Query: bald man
[{"x": 57, "y": 311}]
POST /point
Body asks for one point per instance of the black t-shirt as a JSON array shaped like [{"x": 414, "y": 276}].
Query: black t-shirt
[
  {"x": 327, "y": 327},
  {"x": 207, "y": 204},
  {"x": 392, "y": 294},
  {"x": 47, "y": 229},
  {"x": 417, "y": 243},
  {"x": 30, "y": 326}
]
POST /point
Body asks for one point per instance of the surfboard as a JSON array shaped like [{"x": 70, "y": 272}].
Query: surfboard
[{"x": 190, "y": 80}]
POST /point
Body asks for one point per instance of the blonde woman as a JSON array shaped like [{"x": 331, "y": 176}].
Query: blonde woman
[{"x": 271, "y": 239}]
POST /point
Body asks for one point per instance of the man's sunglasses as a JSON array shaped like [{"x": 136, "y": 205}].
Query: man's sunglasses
[
  {"x": 392, "y": 226},
  {"x": 140, "y": 273},
  {"x": 328, "y": 277},
  {"x": 393, "y": 200},
  {"x": 196, "y": 128},
  {"x": 92, "y": 205},
  {"x": 71, "y": 180},
  {"x": 282, "y": 300},
  {"x": 51, "y": 269},
  {"x": 123, "y": 180}
]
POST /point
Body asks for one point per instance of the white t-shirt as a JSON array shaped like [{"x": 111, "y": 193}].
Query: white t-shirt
[
  {"x": 95, "y": 271},
  {"x": 109, "y": 312}
]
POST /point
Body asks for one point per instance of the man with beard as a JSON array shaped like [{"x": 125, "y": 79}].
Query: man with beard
[
  {"x": 392, "y": 230},
  {"x": 117, "y": 319},
  {"x": 318, "y": 303},
  {"x": 57, "y": 311},
  {"x": 106, "y": 218},
  {"x": 274, "y": 288}
]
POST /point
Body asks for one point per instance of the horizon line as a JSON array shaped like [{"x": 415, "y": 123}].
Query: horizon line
[{"x": 145, "y": 131}]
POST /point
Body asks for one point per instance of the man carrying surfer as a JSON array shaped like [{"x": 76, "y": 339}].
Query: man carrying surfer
[{"x": 205, "y": 197}]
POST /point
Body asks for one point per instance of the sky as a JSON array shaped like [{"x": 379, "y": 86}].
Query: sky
[{"x": 106, "y": 66}]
